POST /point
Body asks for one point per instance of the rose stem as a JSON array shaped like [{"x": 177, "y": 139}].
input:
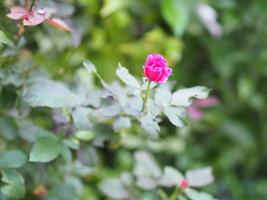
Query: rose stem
[
  {"x": 32, "y": 5},
  {"x": 146, "y": 96}
]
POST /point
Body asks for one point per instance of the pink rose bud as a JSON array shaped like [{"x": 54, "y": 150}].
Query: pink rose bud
[
  {"x": 156, "y": 68},
  {"x": 183, "y": 184}
]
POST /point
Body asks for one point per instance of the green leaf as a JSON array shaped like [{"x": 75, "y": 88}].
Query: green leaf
[
  {"x": 127, "y": 78},
  {"x": 150, "y": 126},
  {"x": 176, "y": 13},
  {"x": 49, "y": 93},
  {"x": 184, "y": 97},
  {"x": 66, "y": 153},
  {"x": 122, "y": 122},
  {"x": 171, "y": 177},
  {"x": 113, "y": 188},
  {"x": 5, "y": 40},
  {"x": 85, "y": 135},
  {"x": 163, "y": 97},
  {"x": 176, "y": 115},
  {"x": 110, "y": 111},
  {"x": 200, "y": 177},
  {"x": 195, "y": 195},
  {"x": 45, "y": 149},
  {"x": 8, "y": 128},
  {"x": 111, "y": 6},
  {"x": 15, "y": 186},
  {"x": 80, "y": 118},
  {"x": 90, "y": 67},
  {"x": 12, "y": 159},
  {"x": 146, "y": 165}
]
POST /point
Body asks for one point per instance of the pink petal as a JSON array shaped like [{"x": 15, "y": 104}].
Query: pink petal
[
  {"x": 194, "y": 113},
  {"x": 17, "y": 12},
  {"x": 34, "y": 20},
  {"x": 59, "y": 23},
  {"x": 208, "y": 102}
]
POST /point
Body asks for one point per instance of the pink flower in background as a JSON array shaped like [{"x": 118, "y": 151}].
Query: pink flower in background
[
  {"x": 208, "y": 16},
  {"x": 194, "y": 111},
  {"x": 184, "y": 184},
  {"x": 33, "y": 17},
  {"x": 29, "y": 18},
  {"x": 156, "y": 68}
]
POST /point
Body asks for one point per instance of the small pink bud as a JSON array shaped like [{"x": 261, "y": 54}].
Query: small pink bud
[
  {"x": 156, "y": 68},
  {"x": 183, "y": 184}
]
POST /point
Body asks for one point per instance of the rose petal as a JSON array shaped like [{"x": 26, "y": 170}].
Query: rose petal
[{"x": 17, "y": 12}]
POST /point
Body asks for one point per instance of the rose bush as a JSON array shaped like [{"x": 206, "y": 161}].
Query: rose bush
[{"x": 71, "y": 130}]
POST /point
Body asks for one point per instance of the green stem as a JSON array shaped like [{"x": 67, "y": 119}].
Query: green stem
[
  {"x": 32, "y": 5},
  {"x": 146, "y": 96},
  {"x": 175, "y": 194}
]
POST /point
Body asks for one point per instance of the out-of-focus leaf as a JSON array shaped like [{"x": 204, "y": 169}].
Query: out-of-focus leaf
[
  {"x": 113, "y": 188},
  {"x": 12, "y": 159},
  {"x": 111, "y": 6},
  {"x": 163, "y": 97},
  {"x": 146, "y": 165},
  {"x": 4, "y": 39},
  {"x": 122, "y": 122},
  {"x": 85, "y": 135},
  {"x": 150, "y": 125},
  {"x": 176, "y": 115},
  {"x": 171, "y": 177},
  {"x": 127, "y": 78},
  {"x": 200, "y": 177},
  {"x": 15, "y": 186},
  {"x": 90, "y": 67},
  {"x": 45, "y": 149},
  {"x": 195, "y": 195},
  {"x": 176, "y": 13},
  {"x": 146, "y": 183},
  {"x": 66, "y": 153},
  {"x": 110, "y": 111},
  {"x": 49, "y": 93},
  {"x": 80, "y": 118},
  {"x": 8, "y": 128},
  {"x": 184, "y": 97}
]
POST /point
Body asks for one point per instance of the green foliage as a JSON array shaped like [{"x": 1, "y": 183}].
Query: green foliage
[
  {"x": 84, "y": 135},
  {"x": 45, "y": 149}
]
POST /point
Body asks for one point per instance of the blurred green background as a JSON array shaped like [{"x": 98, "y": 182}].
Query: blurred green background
[{"x": 223, "y": 47}]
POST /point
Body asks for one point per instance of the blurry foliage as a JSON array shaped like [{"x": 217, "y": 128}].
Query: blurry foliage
[{"x": 231, "y": 137}]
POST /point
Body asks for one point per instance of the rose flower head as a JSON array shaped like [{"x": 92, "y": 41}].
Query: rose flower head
[{"x": 156, "y": 68}]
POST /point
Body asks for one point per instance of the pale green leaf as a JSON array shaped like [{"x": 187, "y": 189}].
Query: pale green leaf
[
  {"x": 4, "y": 39},
  {"x": 110, "y": 111},
  {"x": 111, "y": 6},
  {"x": 49, "y": 93},
  {"x": 195, "y": 195},
  {"x": 163, "y": 97},
  {"x": 81, "y": 119},
  {"x": 127, "y": 78},
  {"x": 184, "y": 97},
  {"x": 8, "y": 128},
  {"x": 171, "y": 177},
  {"x": 90, "y": 67},
  {"x": 150, "y": 126},
  {"x": 45, "y": 149},
  {"x": 200, "y": 177},
  {"x": 113, "y": 188},
  {"x": 85, "y": 135},
  {"x": 12, "y": 159},
  {"x": 146, "y": 165},
  {"x": 122, "y": 122},
  {"x": 176, "y": 13},
  {"x": 15, "y": 186},
  {"x": 176, "y": 115}
]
